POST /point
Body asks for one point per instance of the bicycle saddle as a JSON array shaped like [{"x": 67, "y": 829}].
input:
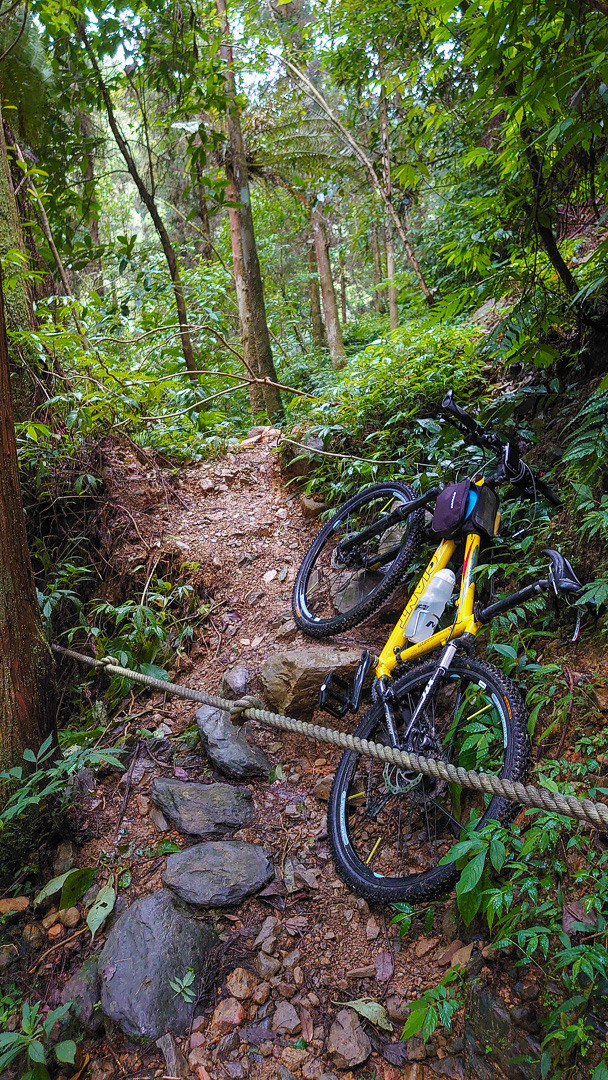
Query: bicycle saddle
[{"x": 561, "y": 575}]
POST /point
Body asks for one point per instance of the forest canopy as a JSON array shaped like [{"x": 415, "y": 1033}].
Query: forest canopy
[{"x": 220, "y": 219}]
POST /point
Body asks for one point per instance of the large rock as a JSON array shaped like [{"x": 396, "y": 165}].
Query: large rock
[
  {"x": 292, "y": 680},
  {"x": 155, "y": 941},
  {"x": 348, "y": 1044},
  {"x": 226, "y": 745},
  {"x": 493, "y": 1045},
  {"x": 218, "y": 874},
  {"x": 205, "y": 810},
  {"x": 83, "y": 990},
  {"x": 298, "y": 462}
]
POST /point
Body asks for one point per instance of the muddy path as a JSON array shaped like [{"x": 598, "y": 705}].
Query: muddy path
[{"x": 238, "y": 524}]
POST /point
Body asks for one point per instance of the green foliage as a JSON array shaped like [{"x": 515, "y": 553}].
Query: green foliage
[
  {"x": 43, "y": 784},
  {"x": 393, "y": 385},
  {"x": 436, "y": 1005},
  {"x": 183, "y": 987},
  {"x": 31, "y": 1046},
  {"x": 521, "y": 882}
]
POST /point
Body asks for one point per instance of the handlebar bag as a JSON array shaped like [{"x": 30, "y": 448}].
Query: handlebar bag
[
  {"x": 451, "y": 509},
  {"x": 482, "y": 518}
]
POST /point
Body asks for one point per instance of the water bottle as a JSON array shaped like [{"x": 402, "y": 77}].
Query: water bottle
[{"x": 429, "y": 609}]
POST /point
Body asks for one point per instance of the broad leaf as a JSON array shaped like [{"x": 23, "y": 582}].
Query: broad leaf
[
  {"x": 54, "y": 1015},
  {"x": 53, "y": 887},
  {"x": 414, "y": 1022},
  {"x": 76, "y": 885},
  {"x": 468, "y": 905},
  {"x": 36, "y": 1052},
  {"x": 371, "y": 1010},
  {"x": 66, "y": 1051},
  {"x": 471, "y": 874},
  {"x": 103, "y": 906}
]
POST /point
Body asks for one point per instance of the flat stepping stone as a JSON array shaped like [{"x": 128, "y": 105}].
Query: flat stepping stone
[
  {"x": 227, "y": 748},
  {"x": 218, "y": 874},
  {"x": 154, "y": 941},
  {"x": 205, "y": 810}
]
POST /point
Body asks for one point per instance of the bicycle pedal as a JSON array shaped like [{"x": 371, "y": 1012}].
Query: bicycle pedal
[{"x": 335, "y": 696}]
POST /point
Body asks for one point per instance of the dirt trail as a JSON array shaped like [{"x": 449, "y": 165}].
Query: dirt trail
[{"x": 247, "y": 531}]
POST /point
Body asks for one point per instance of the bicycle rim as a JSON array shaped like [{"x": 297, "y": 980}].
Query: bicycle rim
[
  {"x": 340, "y": 582},
  {"x": 390, "y": 829}
]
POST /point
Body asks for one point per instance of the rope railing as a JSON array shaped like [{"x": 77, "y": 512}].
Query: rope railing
[{"x": 585, "y": 810}]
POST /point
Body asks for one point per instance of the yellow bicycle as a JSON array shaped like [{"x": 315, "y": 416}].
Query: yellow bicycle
[{"x": 389, "y": 829}]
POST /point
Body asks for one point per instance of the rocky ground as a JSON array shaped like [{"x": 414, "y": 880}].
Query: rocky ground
[{"x": 233, "y": 947}]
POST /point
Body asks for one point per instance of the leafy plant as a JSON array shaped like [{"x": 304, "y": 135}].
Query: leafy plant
[
  {"x": 183, "y": 987},
  {"x": 32, "y": 1043},
  {"x": 43, "y": 784},
  {"x": 73, "y": 884},
  {"x": 436, "y": 1005}
]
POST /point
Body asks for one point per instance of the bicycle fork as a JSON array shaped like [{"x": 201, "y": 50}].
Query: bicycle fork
[{"x": 387, "y": 695}]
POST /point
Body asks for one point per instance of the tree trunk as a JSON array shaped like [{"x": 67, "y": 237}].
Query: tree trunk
[
  {"x": 390, "y": 273},
  {"x": 379, "y": 275},
  {"x": 388, "y": 235},
  {"x": 18, "y": 308},
  {"x": 148, "y": 200},
  {"x": 256, "y": 396},
  {"x": 342, "y": 289},
  {"x": 88, "y": 132},
  {"x": 330, "y": 309},
  {"x": 206, "y": 249},
  {"x": 236, "y": 171},
  {"x": 27, "y": 691},
  {"x": 318, "y": 330}
]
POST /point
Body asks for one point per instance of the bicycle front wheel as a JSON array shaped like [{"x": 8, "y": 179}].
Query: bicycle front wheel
[
  {"x": 387, "y": 828},
  {"x": 357, "y": 561}
]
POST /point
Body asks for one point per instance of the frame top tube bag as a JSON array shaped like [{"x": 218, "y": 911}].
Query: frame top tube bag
[{"x": 451, "y": 509}]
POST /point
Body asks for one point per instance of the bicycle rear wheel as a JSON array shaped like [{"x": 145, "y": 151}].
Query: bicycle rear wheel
[
  {"x": 345, "y": 576},
  {"x": 388, "y": 829}
]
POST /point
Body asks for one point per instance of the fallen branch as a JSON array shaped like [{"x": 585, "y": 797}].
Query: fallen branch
[
  {"x": 231, "y": 390},
  {"x": 347, "y": 457}
]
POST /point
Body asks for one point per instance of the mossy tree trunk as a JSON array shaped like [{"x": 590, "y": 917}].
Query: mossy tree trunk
[
  {"x": 27, "y": 687},
  {"x": 326, "y": 281},
  {"x": 256, "y": 397},
  {"x": 318, "y": 330},
  {"x": 18, "y": 309}
]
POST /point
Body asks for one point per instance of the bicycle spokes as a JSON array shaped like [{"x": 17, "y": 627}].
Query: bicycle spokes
[
  {"x": 401, "y": 822},
  {"x": 351, "y": 566}
]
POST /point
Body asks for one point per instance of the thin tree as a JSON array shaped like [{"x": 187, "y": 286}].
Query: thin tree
[
  {"x": 147, "y": 197},
  {"x": 256, "y": 397},
  {"x": 379, "y": 275},
  {"x": 389, "y": 245},
  {"x": 330, "y": 308},
  {"x": 238, "y": 179},
  {"x": 27, "y": 687},
  {"x": 316, "y": 319}
]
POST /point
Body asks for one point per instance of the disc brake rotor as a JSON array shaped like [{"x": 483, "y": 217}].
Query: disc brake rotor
[{"x": 398, "y": 781}]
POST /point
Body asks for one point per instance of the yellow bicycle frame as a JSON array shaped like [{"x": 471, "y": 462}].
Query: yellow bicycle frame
[{"x": 465, "y": 620}]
